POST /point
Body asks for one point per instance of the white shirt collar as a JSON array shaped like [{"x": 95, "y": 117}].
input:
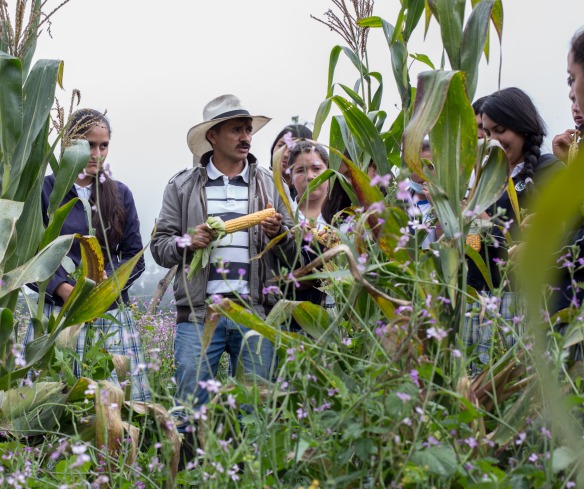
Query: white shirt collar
[
  {"x": 213, "y": 173},
  {"x": 83, "y": 192},
  {"x": 517, "y": 169}
]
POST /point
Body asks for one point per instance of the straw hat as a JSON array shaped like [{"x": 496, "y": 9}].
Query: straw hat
[{"x": 218, "y": 110}]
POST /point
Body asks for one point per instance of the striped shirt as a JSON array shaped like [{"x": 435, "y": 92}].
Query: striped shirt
[{"x": 228, "y": 199}]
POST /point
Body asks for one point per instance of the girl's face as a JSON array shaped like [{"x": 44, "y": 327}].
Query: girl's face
[
  {"x": 511, "y": 141},
  {"x": 576, "y": 80},
  {"x": 282, "y": 143},
  {"x": 306, "y": 167},
  {"x": 98, "y": 138}
]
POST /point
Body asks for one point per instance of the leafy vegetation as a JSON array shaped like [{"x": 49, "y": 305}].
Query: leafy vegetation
[{"x": 380, "y": 391}]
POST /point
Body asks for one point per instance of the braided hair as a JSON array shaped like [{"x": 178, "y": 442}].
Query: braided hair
[
  {"x": 513, "y": 109},
  {"x": 108, "y": 210}
]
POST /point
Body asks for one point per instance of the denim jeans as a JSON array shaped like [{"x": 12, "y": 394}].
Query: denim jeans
[{"x": 193, "y": 365}]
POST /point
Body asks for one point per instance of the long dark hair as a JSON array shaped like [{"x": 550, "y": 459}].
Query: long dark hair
[
  {"x": 512, "y": 108},
  {"x": 577, "y": 47},
  {"x": 108, "y": 210}
]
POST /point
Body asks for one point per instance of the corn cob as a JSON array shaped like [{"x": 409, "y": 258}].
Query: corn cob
[
  {"x": 246, "y": 222},
  {"x": 573, "y": 151},
  {"x": 474, "y": 241},
  {"x": 326, "y": 237}
]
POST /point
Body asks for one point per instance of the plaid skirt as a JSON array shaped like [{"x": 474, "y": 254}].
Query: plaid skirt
[
  {"x": 504, "y": 315},
  {"x": 119, "y": 337}
]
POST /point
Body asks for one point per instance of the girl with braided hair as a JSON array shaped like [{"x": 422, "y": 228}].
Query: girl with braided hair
[{"x": 510, "y": 117}]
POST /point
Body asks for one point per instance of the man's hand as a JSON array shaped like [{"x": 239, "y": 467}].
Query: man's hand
[
  {"x": 561, "y": 144},
  {"x": 272, "y": 226},
  {"x": 202, "y": 237}
]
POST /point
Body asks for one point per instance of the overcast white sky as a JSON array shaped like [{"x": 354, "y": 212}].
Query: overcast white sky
[{"x": 154, "y": 65}]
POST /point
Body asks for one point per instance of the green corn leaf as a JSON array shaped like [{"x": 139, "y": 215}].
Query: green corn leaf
[
  {"x": 11, "y": 111},
  {"x": 10, "y": 211},
  {"x": 365, "y": 133},
  {"x": 415, "y": 11},
  {"x": 39, "y": 268},
  {"x": 73, "y": 161},
  {"x": 473, "y": 43},
  {"x": 38, "y": 94}
]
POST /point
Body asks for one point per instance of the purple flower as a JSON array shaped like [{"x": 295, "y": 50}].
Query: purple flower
[
  {"x": 231, "y": 401},
  {"x": 301, "y": 413},
  {"x": 471, "y": 442},
  {"x": 293, "y": 278},
  {"x": 521, "y": 438},
  {"x": 414, "y": 377},
  {"x": 347, "y": 341},
  {"x": 210, "y": 385},
  {"x": 382, "y": 181},
  {"x": 403, "y": 397},
  {"x": 289, "y": 140},
  {"x": 403, "y": 191},
  {"x": 271, "y": 289},
  {"x": 437, "y": 333},
  {"x": 377, "y": 207},
  {"x": 184, "y": 241},
  {"x": 533, "y": 457}
]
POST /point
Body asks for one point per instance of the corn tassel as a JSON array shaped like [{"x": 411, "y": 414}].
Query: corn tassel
[
  {"x": 474, "y": 241},
  {"x": 246, "y": 222}
]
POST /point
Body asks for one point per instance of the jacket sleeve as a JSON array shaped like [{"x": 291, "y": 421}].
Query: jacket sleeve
[
  {"x": 60, "y": 276},
  {"x": 163, "y": 245},
  {"x": 131, "y": 245}
]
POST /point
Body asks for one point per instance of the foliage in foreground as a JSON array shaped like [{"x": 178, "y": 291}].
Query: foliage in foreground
[{"x": 380, "y": 391}]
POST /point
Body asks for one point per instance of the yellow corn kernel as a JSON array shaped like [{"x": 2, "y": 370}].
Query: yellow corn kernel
[
  {"x": 246, "y": 222},
  {"x": 474, "y": 241}
]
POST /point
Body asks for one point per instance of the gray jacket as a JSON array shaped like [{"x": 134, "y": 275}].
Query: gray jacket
[{"x": 184, "y": 206}]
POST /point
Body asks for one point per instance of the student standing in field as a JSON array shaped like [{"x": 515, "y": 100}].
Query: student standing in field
[
  {"x": 510, "y": 117},
  {"x": 307, "y": 161},
  {"x": 228, "y": 183},
  {"x": 115, "y": 221}
]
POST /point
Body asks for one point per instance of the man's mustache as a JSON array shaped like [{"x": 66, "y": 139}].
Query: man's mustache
[{"x": 243, "y": 145}]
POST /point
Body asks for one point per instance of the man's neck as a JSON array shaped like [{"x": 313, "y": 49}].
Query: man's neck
[{"x": 229, "y": 168}]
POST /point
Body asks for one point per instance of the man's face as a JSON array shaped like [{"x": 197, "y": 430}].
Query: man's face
[{"x": 231, "y": 140}]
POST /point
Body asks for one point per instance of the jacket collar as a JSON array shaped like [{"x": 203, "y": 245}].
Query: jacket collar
[{"x": 251, "y": 159}]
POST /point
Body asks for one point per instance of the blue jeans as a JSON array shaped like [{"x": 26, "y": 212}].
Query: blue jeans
[{"x": 193, "y": 365}]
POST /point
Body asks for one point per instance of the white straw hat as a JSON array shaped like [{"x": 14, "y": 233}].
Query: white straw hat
[{"x": 218, "y": 110}]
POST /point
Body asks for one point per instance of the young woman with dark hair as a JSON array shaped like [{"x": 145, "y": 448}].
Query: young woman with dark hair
[
  {"x": 285, "y": 138},
  {"x": 307, "y": 161},
  {"x": 115, "y": 223},
  {"x": 510, "y": 117}
]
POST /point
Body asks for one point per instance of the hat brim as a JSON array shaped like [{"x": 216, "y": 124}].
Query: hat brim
[{"x": 197, "y": 140}]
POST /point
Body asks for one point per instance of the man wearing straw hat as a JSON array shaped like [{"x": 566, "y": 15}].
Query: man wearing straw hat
[{"x": 227, "y": 183}]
